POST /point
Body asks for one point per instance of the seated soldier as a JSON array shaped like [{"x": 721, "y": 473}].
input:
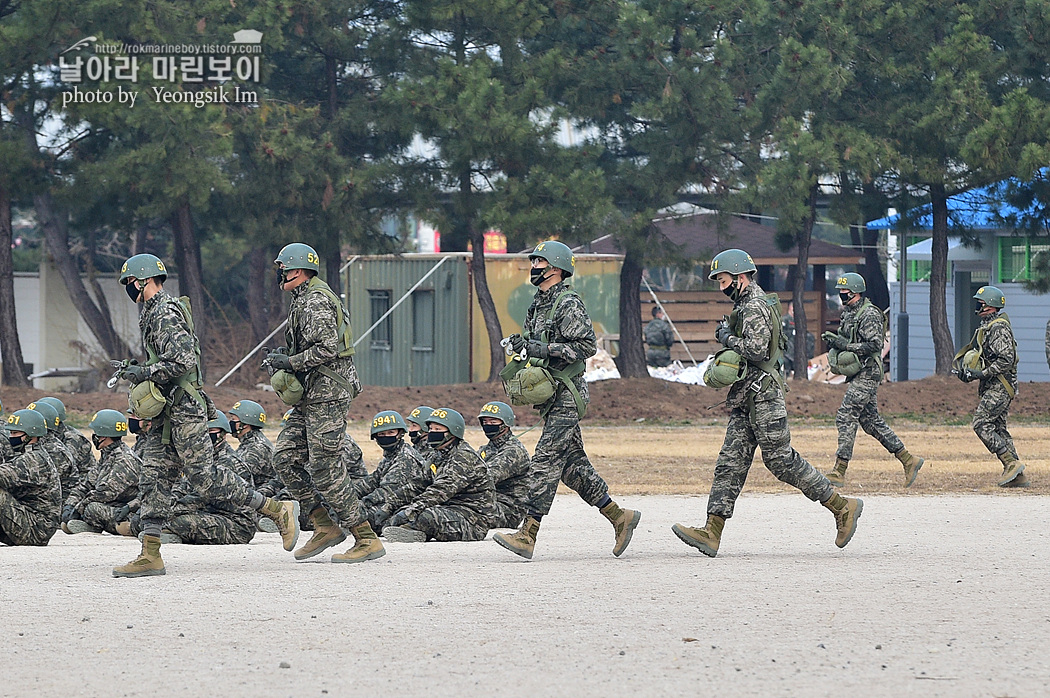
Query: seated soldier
[
  {"x": 508, "y": 463},
  {"x": 103, "y": 500},
  {"x": 351, "y": 455},
  {"x": 397, "y": 478},
  {"x": 6, "y": 453},
  {"x": 459, "y": 501},
  {"x": 417, "y": 429},
  {"x": 64, "y": 461},
  {"x": 30, "y": 500},
  {"x": 77, "y": 443}
]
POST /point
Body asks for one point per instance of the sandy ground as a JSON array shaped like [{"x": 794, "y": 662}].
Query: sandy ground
[{"x": 936, "y": 595}]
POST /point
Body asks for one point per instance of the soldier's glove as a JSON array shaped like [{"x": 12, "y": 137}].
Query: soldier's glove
[
  {"x": 723, "y": 333},
  {"x": 538, "y": 350},
  {"x": 835, "y": 341},
  {"x": 122, "y": 513},
  {"x": 399, "y": 519},
  {"x": 279, "y": 361},
  {"x": 972, "y": 374},
  {"x": 516, "y": 342},
  {"x": 67, "y": 513},
  {"x": 134, "y": 373}
]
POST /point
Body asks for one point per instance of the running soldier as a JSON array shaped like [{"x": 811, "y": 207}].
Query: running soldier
[
  {"x": 78, "y": 444},
  {"x": 102, "y": 500},
  {"x": 758, "y": 416},
  {"x": 993, "y": 360},
  {"x": 660, "y": 338},
  {"x": 29, "y": 491},
  {"x": 398, "y": 477},
  {"x": 168, "y": 390},
  {"x": 320, "y": 357},
  {"x": 62, "y": 457},
  {"x": 558, "y": 330},
  {"x": 458, "y": 502},
  {"x": 508, "y": 464},
  {"x": 862, "y": 332}
]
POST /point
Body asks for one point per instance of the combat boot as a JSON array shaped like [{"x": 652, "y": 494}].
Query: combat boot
[
  {"x": 123, "y": 528},
  {"x": 1019, "y": 481},
  {"x": 404, "y": 534},
  {"x": 367, "y": 547},
  {"x": 523, "y": 541},
  {"x": 624, "y": 522},
  {"x": 265, "y": 525},
  {"x": 1011, "y": 468},
  {"x": 846, "y": 510},
  {"x": 147, "y": 564},
  {"x": 286, "y": 516},
  {"x": 326, "y": 534},
  {"x": 79, "y": 526},
  {"x": 911, "y": 465},
  {"x": 837, "y": 475},
  {"x": 704, "y": 539}
]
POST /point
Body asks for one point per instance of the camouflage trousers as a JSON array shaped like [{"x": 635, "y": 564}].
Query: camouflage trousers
[
  {"x": 20, "y": 525},
  {"x": 559, "y": 456},
  {"x": 658, "y": 357},
  {"x": 209, "y": 528},
  {"x": 509, "y": 512},
  {"x": 989, "y": 420},
  {"x": 860, "y": 406},
  {"x": 450, "y": 522},
  {"x": 307, "y": 459},
  {"x": 763, "y": 427},
  {"x": 101, "y": 516},
  {"x": 190, "y": 452}
]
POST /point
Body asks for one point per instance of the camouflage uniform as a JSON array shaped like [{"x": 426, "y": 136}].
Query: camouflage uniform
[
  {"x": 111, "y": 484},
  {"x": 79, "y": 446},
  {"x": 140, "y": 445},
  {"x": 308, "y": 456},
  {"x": 164, "y": 329},
  {"x": 353, "y": 459},
  {"x": 860, "y": 405},
  {"x": 508, "y": 464},
  {"x": 458, "y": 502},
  {"x": 660, "y": 338},
  {"x": 64, "y": 461},
  {"x": 397, "y": 480},
  {"x": 256, "y": 451},
  {"x": 758, "y": 416},
  {"x": 1000, "y": 356},
  {"x": 6, "y": 452},
  {"x": 559, "y": 453},
  {"x": 212, "y": 522},
  {"x": 30, "y": 505}
]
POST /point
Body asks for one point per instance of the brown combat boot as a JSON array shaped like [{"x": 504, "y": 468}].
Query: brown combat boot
[
  {"x": 704, "y": 539},
  {"x": 911, "y": 465},
  {"x": 123, "y": 528},
  {"x": 1011, "y": 468},
  {"x": 837, "y": 475},
  {"x": 523, "y": 541},
  {"x": 1020, "y": 481},
  {"x": 147, "y": 564},
  {"x": 326, "y": 534},
  {"x": 847, "y": 511},
  {"x": 624, "y": 522},
  {"x": 286, "y": 516},
  {"x": 367, "y": 547}
]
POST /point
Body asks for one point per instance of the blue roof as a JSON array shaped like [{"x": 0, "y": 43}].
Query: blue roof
[{"x": 977, "y": 209}]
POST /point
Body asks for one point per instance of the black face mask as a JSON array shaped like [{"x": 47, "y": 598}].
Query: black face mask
[
  {"x": 978, "y": 307},
  {"x": 17, "y": 443},
  {"x": 437, "y": 438},
  {"x": 418, "y": 437},
  {"x": 536, "y": 275},
  {"x": 235, "y": 429},
  {"x": 215, "y": 436},
  {"x": 492, "y": 430},
  {"x": 845, "y": 297},
  {"x": 733, "y": 289},
  {"x": 134, "y": 425},
  {"x": 133, "y": 291},
  {"x": 97, "y": 441},
  {"x": 387, "y": 441}
]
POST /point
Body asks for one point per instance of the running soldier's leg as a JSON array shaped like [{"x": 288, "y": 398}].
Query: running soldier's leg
[
  {"x": 734, "y": 461},
  {"x": 20, "y": 525},
  {"x": 859, "y": 393},
  {"x": 160, "y": 470},
  {"x": 873, "y": 423},
  {"x": 210, "y": 529},
  {"x": 559, "y": 457},
  {"x": 325, "y": 430},
  {"x": 290, "y": 459},
  {"x": 774, "y": 438},
  {"x": 449, "y": 523},
  {"x": 989, "y": 420}
]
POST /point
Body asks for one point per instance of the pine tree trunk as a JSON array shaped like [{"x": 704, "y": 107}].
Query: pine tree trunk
[
  {"x": 497, "y": 357},
  {"x": 631, "y": 359},
  {"x": 943, "y": 346},
  {"x": 798, "y": 288},
  {"x": 188, "y": 260},
  {"x": 10, "y": 345}
]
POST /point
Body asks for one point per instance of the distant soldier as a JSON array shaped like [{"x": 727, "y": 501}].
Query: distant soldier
[
  {"x": 64, "y": 460},
  {"x": 758, "y": 416},
  {"x": 508, "y": 463},
  {"x": 862, "y": 332},
  {"x": 319, "y": 354},
  {"x": 1047, "y": 343},
  {"x": 787, "y": 325},
  {"x": 398, "y": 478},
  {"x": 991, "y": 358},
  {"x": 417, "y": 428},
  {"x": 660, "y": 338},
  {"x": 558, "y": 330},
  {"x": 247, "y": 419},
  {"x": 458, "y": 502},
  {"x": 77, "y": 443},
  {"x": 102, "y": 500},
  {"x": 29, "y": 491}
]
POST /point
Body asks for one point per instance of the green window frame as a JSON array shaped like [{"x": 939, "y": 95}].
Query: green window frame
[{"x": 1015, "y": 256}]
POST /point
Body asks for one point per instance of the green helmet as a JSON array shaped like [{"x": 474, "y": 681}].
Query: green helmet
[
  {"x": 991, "y": 296},
  {"x": 49, "y": 413},
  {"x": 249, "y": 412},
  {"x": 298, "y": 256},
  {"x": 450, "y": 419},
  {"x": 557, "y": 254},
  {"x": 725, "y": 369},
  {"x": 386, "y": 420},
  {"x": 29, "y": 422},
  {"x": 499, "y": 410},
  {"x": 58, "y": 405},
  {"x": 142, "y": 266},
  {"x": 420, "y": 415},
  {"x": 732, "y": 262},
  {"x": 221, "y": 421},
  {"x": 851, "y": 281},
  {"x": 109, "y": 423}
]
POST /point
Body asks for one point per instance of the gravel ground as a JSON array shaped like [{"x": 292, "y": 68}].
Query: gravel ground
[{"x": 936, "y": 595}]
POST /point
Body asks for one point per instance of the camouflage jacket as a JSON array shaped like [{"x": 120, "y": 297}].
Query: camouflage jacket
[
  {"x": 658, "y": 333},
  {"x": 6, "y": 452},
  {"x": 140, "y": 445},
  {"x": 256, "y": 452},
  {"x": 508, "y": 463},
  {"x": 166, "y": 332},
  {"x": 569, "y": 332},
  {"x": 457, "y": 477},
  {"x": 64, "y": 461},
  {"x": 32, "y": 479},
  {"x": 397, "y": 480},
  {"x": 113, "y": 481},
  {"x": 351, "y": 456},
  {"x": 752, "y": 335},
  {"x": 999, "y": 352},
  {"x": 313, "y": 333},
  {"x": 863, "y": 322},
  {"x": 79, "y": 445}
]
